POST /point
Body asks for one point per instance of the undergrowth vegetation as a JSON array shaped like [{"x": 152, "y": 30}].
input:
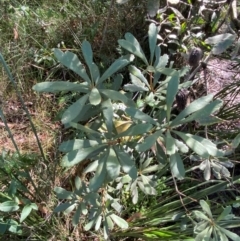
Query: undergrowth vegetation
[{"x": 109, "y": 127}]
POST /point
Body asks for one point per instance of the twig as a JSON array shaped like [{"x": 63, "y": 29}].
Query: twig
[
  {"x": 181, "y": 194},
  {"x": 23, "y": 105}
]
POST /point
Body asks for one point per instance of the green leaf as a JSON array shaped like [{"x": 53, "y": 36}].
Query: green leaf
[
  {"x": 170, "y": 144},
  {"x": 89, "y": 225},
  {"x": 74, "y": 157},
  {"x": 71, "y": 61},
  {"x": 152, "y": 36},
  {"x": 88, "y": 56},
  {"x": 117, "y": 96},
  {"x": 205, "y": 165},
  {"x": 63, "y": 207},
  {"x": 163, "y": 60},
  {"x": 121, "y": 223},
  {"x": 178, "y": 14},
  {"x": 112, "y": 165},
  {"x": 98, "y": 223},
  {"x": 134, "y": 87},
  {"x": 95, "y": 73},
  {"x": 73, "y": 110},
  {"x": 117, "y": 81},
  {"x": 148, "y": 142},
  {"x": 95, "y": 97},
  {"x": 97, "y": 181},
  {"x": 122, "y": 1},
  {"x": 139, "y": 115},
  {"x": 110, "y": 222},
  {"x": 127, "y": 163},
  {"x": 63, "y": 194},
  {"x": 201, "y": 215},
  {"x": 136, "y": 129},
  {"x": 9, "y": 206},
  {"x": 181, "y": 146},
  {"x": 76, "y": 216},
  {"x": 160, "y": 154},
  {"x": 227, "y": 210},
  {"x": 157, "y": 56},
  {"x": 236, "y": 141},
  {"x": 133, "y": 46},
  {"x": 25, "y": 212},
  {"x": 209, "y": 120},
  {"x": 57, "y": 86},
  {"x": 171, "y": 93},
  {"x": 116, "y": 66},
  {"x": 204, "y": 112},
  {"x": 15, "y": 227},
  {"x": 136, "y": 72},
  {"x": 78, "y": 183},
  {"x": 230, "y": 234},
  {"x": 107, "y": 110},
  {"x": 194, "y": 106},
  {"x": 84, "y": 209},
  {"x": 221, "y": 42},
  {"x": 148, "y": 189},
  {"x": 85, "y": 129},
  {"x": 193, "y": 142},
  {"x": 177, "y": 166},
  {"x": 208, "y": 145},
  {"x": 167, "y": 71},
  {"x": 206, "y": 208},
  {"x": 199, "y": 227},
  {"x": 75, "y": 144},
  {"x": 152, "y": 7},
  {"x": 204, "y": 235}
]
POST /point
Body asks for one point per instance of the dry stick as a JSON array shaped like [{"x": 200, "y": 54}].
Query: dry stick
[
  {"x": 181, "y": 194},
  {"x": 106, "y": 24},
  {"x": 23, "y": 105},
  {"x": 206, "y": 84}
]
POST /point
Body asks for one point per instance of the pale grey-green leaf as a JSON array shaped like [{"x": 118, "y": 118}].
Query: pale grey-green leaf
[
  {"x": 206, "y": 208},
  {"x": 193, "y": 142},
  {"x": 88, "y": 55},
  {"x": 97, "y": 181},
  {"x": 139, "y": 115},
  {"x": 121, "y": 223},
  {"x": 75, "y": 144},
  {"x": 172, "y": 89},
  {"x": 177, "y": 166},
  {"x": 25, "y": 212},
  {"x": 152, "y": 34},
  {"x": 148, "y": 142},
  {"x": 95, "y": 97},
  {"x": 57, "y": 86},
  {"x": 73, "y": 110},
  {"x": 132, "y": 48},
  {"x": 71, "y": 61},
  {"x": 136, "y": 72},
  {"x": 107, "y": 110},
  {"x": 152, "y": 7},
  {"x": 74, "y": 157},
  {"x": 117, "y": 96},
  {"x": 194, "y": 106},
  {"x": 127, "y": 163},
  {"x": 76, "y": 216},
  {"x": 116, "y": 66},
  {"x": 112, "y": 165},
  {"x": 8, "y": 206}
]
